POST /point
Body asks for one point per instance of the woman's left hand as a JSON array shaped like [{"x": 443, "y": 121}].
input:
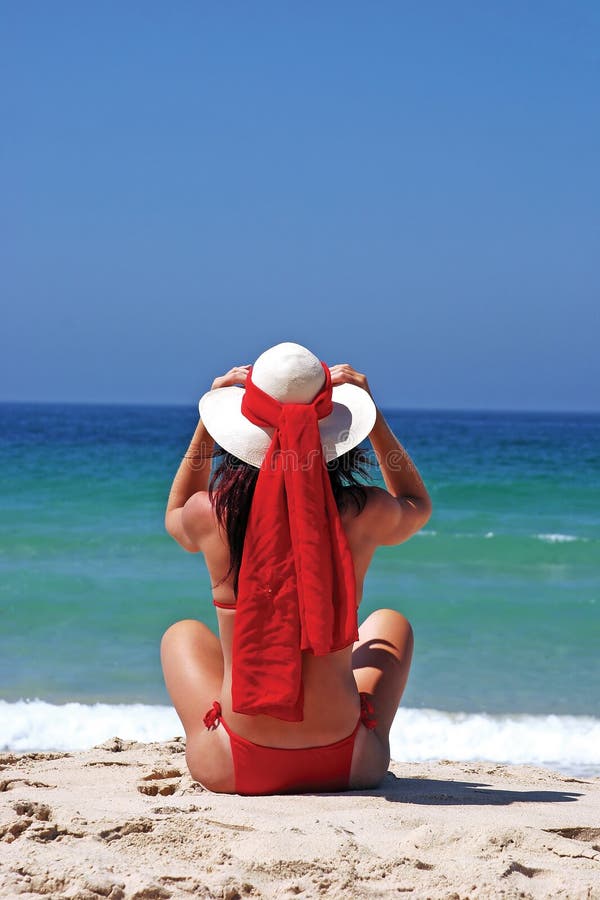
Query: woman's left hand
[{"x": 237, "y": 375}]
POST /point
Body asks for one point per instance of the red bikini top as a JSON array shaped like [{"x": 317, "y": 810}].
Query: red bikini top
[{"x": 296, "y": 587}]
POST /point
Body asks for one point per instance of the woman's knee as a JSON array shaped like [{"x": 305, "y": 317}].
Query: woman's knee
[
  {"x": 181, "y": 630},
  {"x": 182, "y": 634},
  {"x": 172, "y": 634},
  {"x": 388, "y": 624}
]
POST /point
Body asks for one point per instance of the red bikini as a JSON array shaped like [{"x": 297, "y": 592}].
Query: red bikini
[
  {"x": 279, "y": 770},
  {"x": 296, "y": 592}
]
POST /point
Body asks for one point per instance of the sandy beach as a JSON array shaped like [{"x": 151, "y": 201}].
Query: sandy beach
[{"x": 125, "y": 820}]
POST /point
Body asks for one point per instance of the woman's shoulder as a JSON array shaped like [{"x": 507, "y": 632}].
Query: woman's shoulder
[
  {"x": 369, "y": 499},
  {"x": 386, "y": 519},
  {"x": 198, "y": 518}
]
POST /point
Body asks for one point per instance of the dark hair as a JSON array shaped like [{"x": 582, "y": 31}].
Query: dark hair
[{"x": 232, "y": 486}]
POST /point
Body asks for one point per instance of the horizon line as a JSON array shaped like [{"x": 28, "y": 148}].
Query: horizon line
[{"x": 384, "y": 408}]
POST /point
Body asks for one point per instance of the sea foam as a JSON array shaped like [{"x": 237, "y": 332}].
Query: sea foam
[
  {"x": 569, "y": 744},
  {"x": 565, "y": 743},
  {"x": 38, "y": 725}
]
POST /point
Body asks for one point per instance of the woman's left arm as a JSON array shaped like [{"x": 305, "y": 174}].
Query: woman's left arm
[{"x": 193, "y": 474}]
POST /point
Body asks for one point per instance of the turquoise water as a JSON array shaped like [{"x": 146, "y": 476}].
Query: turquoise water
[{"x": 502, "y": 586}]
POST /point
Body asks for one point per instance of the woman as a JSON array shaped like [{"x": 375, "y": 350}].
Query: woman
[{"x": 292, "y": 696}]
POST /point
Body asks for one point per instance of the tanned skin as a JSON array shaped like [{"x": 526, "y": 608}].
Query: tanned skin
[{"x": 197, "y": 663}]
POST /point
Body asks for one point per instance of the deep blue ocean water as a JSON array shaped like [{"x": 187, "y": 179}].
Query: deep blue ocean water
[{"x": 502, "y": 586}]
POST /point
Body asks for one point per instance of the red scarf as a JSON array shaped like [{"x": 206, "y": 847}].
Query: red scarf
[{"x": 296, "y": 588}]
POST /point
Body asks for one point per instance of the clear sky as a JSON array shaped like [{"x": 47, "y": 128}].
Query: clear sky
[{"x": 411, "y": 187}]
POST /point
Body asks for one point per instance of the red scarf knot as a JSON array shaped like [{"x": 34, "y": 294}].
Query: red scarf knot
[{"x": 296, "y": 587}]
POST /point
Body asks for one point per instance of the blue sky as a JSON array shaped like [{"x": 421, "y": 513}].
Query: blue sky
[{"x": 409, "y": 187}]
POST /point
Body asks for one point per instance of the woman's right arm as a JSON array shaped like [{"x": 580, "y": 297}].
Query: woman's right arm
[{"x": 394, "y": 515}]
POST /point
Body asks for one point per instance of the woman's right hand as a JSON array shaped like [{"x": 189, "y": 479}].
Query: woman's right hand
[
  {"x": 237, "y": 375},
  {"x": 342, "y": 373}
]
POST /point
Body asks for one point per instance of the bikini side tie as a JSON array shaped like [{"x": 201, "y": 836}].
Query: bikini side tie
[{"x": 213, "y": 716}]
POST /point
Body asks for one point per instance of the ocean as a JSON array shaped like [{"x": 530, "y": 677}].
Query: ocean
[{"x": 502, "y": 586}]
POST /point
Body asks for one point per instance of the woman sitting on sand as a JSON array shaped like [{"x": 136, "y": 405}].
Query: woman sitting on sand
[{"x": 305, "y": 699}]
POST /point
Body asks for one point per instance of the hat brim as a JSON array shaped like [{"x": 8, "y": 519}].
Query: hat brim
[{"x": 349, "y": 423}]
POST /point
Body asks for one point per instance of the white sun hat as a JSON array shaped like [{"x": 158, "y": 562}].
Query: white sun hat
[{"x": 291, "y": 374}]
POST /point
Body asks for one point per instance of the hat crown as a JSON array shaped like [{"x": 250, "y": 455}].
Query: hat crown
[{"x": 289, "y": 372}]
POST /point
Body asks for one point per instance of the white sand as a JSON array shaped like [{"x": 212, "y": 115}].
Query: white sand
[{"x": 125, "y": 820}]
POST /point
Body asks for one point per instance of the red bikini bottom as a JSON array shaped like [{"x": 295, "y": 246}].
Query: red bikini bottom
[{"x": 280, "y": 770}]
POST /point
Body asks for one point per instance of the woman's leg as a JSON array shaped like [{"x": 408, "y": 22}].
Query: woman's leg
[
  {"x": 192, "y": 662},
  {"x": 381, "y": 662}
]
